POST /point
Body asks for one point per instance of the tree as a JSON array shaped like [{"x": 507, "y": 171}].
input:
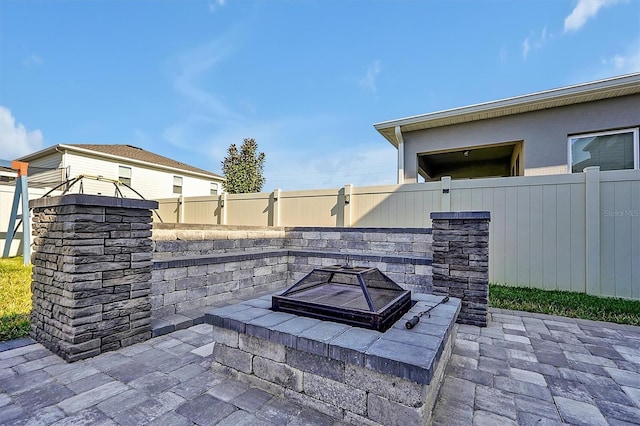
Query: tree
[{"x": 243, "y": 169}]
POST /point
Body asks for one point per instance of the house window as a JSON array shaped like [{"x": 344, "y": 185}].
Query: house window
[
  {"x": 615, "y": 150},
  {"x": 124, "y": 175},
  {"x": 177, "y": 185},
  {"x": 214, "y": 188}
]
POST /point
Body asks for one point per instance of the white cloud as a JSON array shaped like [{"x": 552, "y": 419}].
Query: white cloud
[
  {"x": 15, "y": 139},
  {"x": 584, "y": 10},
  {"x": 214, "y": 5},
  {"x": 625, "y": 63},
  {"x": 535, "y": 41},
  {"x": 194, "y": 65},
  {"x": 32, "y": 60},
  {"x": 504, "y": 55},
  {"x": 525, "y": 48},
  {"x": 369, "y": 80}
]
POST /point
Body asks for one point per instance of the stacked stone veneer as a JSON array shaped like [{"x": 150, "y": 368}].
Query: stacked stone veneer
[
  {"x": 91, "y": 273},
  {"x": 199, "y": 266},
  {"x": 461, "y": 261}
]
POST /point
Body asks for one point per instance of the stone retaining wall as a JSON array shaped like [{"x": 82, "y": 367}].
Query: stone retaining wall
[
  {"x": 198, "y": 265},
  {"x": 95, "y": 284},
  {"x": 187, "y": 284}
]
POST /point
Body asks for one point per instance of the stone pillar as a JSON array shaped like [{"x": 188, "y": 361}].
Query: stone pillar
[
  {"x": 461, "y": 261},
  {"x": 91, "y": 273}
]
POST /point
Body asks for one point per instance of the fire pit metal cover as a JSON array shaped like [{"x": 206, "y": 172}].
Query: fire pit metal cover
[{"x": 358, "y": 296}]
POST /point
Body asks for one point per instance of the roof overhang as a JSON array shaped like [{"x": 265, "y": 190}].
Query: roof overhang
[{"x": 586, "y": 92}]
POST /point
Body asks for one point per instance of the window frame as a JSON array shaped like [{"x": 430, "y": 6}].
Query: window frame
[
  {"x": 120, "y": 178},
  {"x": 217, "y": 185},
  {"x": 632, "y": 130},
  {"x": 181, "y": 186}
]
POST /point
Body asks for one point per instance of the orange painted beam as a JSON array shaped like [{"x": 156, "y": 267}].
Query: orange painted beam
[{"x": 21, "y": 167}]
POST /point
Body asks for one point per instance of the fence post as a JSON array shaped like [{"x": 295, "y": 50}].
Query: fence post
[
  {"x": 181, "y": 209},
  {"x": 276, "y": 207},
  {"x": 223, "y": 208},
  {"x": 446, "y": 194},
  {"x": 592, "y": 231},
  {"x": 348, "y": 189}
]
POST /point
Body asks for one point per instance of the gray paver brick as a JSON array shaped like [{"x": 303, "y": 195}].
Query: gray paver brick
[
  {"x": 484, "y": 418},
  {"x": 579, "y": 413},
  {"x": 10, "y": 412},
  {"x": 452, "y": 413},
  {"x": 205, "y": 409},
  {"x": 538, "y": 407},
  {"x": 171, "y": 419},
  {"x": 197, "y": 385},
  {"x": 279, "y": 411},
  {"x": 89, "y": 382},
  {"x": 17, "y": 384},
  {"x": 154, "y": 383},
  {"x": 88, "y": 417},
  {"x": 228, "y": 389},
  {"x": 92, "y": 397},
  {"x": 625, "y": 413},
  {"x": 522, "y": 388},
  {"x": 243, "y": 418},
  {"x": 43, "y": 396},
  {"x": 160, "y": 404},
  {"x": 569, "y": 389},
  {"x": 529, "y": 419},
  {"x": 633, "y": 394},
  {"x": 251, "y": 400},
  {"x": 495, "y": 401},
  {"x": 122, "y": 402}
]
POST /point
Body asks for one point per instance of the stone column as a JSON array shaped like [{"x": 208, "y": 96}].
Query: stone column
[
  {"x": 461, "y": 261},
  {"x": 91, "y": 273}
]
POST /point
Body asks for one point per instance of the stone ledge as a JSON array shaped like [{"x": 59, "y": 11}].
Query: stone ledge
[
  {"x": 482, "y": 215},
  {"x": 93, "y": 200},
  {"x": 209, "y": 259},
  {"x": 206, "y": 227},
  {"x": 379, "y": 351}
]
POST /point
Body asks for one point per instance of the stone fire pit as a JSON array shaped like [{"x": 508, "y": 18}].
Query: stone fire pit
[{"x": 353, "y": 374}]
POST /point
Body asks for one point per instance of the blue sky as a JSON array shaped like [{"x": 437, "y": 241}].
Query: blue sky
[{"x": 307, "y": 79}]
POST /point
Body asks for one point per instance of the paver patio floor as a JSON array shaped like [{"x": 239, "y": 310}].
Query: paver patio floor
[{"x": 525, "y": 369}]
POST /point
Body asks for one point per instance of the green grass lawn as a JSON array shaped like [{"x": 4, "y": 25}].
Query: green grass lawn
[
  {"x": 15, "y": 298},
  {"x": 565, "y": 303}
]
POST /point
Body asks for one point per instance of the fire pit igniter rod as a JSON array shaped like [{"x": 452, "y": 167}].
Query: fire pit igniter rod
[{"x": 416, "y": 318}]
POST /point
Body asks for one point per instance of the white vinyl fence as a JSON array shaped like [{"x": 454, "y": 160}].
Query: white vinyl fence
[{"x": 578, "y": 232}]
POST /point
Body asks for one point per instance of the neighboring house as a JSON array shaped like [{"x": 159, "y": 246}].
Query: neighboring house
[
  {"x": 556, "y": 131},
  {"x": 152, "y": 175}
]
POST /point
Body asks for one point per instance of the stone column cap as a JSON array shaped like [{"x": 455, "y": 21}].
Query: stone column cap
[
  {"x": 480, "y": 215},
  {"x": 93, "y": 200}
]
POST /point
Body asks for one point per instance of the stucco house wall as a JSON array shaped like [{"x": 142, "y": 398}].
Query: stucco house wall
[
  {"x": 523, "y": 135},
  {"x": 543, "y": 132}
]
